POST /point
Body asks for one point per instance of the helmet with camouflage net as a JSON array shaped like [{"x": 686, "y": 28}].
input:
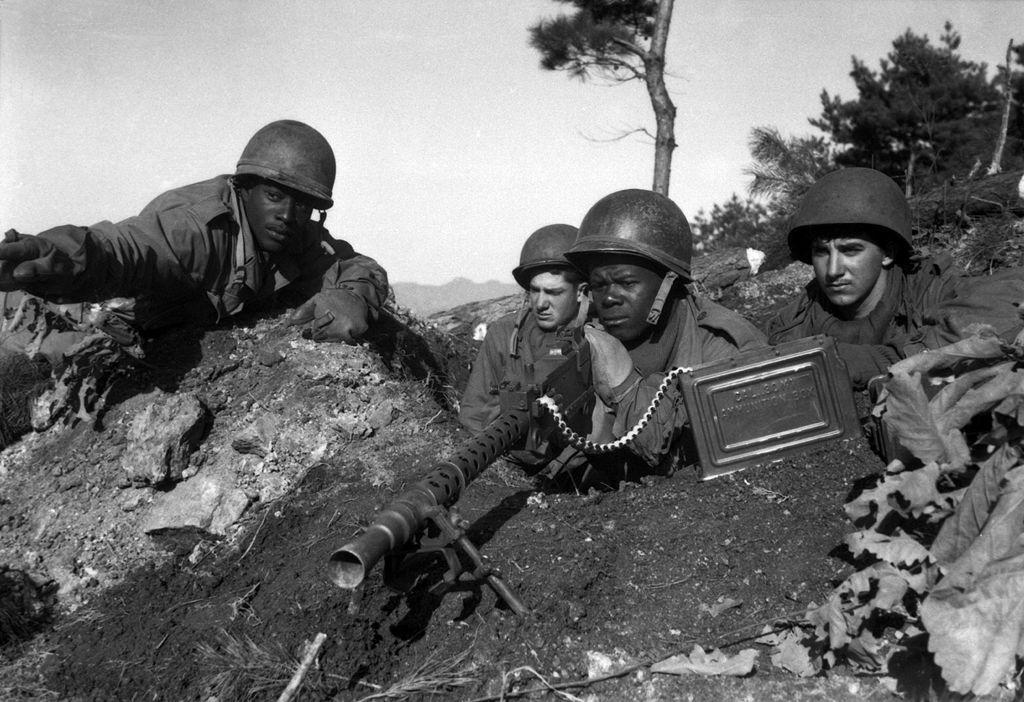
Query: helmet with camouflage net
[
  {"x": 851, "y": 196},
  {"x": 639, "y": 223},
  {"x": 292, "y": 154},
  {"x": 545, "y": 248}
]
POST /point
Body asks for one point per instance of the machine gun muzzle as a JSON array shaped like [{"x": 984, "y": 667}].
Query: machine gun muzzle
[{"x": 398, "y": 524}]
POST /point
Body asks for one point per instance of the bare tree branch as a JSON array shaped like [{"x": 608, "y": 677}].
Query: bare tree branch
[
  {"x": 997, "y": 157},
  {"x": 620, "y": 137}
]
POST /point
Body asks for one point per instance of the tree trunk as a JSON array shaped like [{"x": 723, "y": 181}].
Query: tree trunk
[
  {"x": 908, "y": 187},
  {"x": 997, "y": 156},
  {"x": 664, "y": 109}
]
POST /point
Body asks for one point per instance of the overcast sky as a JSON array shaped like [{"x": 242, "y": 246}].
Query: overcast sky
[{"x": 453, "y": 145}]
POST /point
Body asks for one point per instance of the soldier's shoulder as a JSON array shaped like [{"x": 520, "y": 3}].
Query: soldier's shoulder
[{"x": 204, "y": 200}]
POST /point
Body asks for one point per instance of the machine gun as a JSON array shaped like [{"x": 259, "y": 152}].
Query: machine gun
[{"x": 420, "y": 521}]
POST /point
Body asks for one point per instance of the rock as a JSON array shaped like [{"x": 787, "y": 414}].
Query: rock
[
  {"x": 720, "y": 269},
  {"x": 162, "y": 437},
  {"x": 206, "y": 505},
  {"x": 258, "y": 438},
  {"x": 269, "y": 356},
  {"x": 382, "y": 416}
]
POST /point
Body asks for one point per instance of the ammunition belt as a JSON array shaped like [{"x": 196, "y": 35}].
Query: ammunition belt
[{"x": 583, "y": 444}]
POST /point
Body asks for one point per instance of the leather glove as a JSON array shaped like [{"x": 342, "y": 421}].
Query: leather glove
[
  {"x": 332, "y": 315},
  {"x": 28, "y": 262},
  {"x": 611, "y": 362}
]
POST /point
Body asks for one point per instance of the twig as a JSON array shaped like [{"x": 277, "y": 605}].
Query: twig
[
  {"x": 307, "y": 660},
  {"x": 255, "y": 535},
  {"x": 543, "y": 680},
  {"x": 674, "y": 582},
  {"x": 584, "y": 682}
]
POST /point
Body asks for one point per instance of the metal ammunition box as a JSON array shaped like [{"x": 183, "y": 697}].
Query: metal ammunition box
[{"x": 763, "y": 405}]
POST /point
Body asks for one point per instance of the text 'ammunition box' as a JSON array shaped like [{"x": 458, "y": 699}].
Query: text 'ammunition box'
[{"x": 766, "y": 404}]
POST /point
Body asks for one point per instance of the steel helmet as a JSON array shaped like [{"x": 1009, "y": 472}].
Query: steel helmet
[
  {"x": 851, "y": 196},
  {"x": 638, "y": 223},
  {"x": 293, "y": 154},
  {"x": 545, "y": 248}
]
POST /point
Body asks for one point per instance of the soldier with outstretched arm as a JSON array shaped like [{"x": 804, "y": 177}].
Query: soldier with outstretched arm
[{"x": 202, "y": 252}]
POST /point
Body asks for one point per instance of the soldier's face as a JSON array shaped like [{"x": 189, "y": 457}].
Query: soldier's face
[
  {"x": 276, "y": 214},
  {"x": 623, "y": 293},
  {"x": 852, "y": 272},
  {"x": 554, "y": 299}
]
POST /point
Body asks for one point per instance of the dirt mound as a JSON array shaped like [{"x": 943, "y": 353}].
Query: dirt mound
[{"x": 624, "y": 577}]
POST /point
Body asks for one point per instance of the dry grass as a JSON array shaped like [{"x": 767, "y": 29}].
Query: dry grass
[
  {"x": 21, "y": 679},
  {"x": 434, "y": 676},
  {"x": 244, "y": 670}
]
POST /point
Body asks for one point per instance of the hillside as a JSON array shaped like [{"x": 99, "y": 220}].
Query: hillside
[
  {"x": 201, "y": 572},
  {"x": 425, "y": 300}
]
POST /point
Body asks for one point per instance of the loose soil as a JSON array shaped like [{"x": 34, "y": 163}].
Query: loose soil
[{"x": 633, "y": 574}]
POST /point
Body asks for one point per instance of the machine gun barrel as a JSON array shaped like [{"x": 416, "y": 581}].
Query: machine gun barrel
[{"x": 399, "y": 522}]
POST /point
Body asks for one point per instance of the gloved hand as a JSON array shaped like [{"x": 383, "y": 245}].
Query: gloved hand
[
  {"x": 28, "y": 262},
  {"x": 332, "y": 315},
  {"x": 610, "y": 362}
]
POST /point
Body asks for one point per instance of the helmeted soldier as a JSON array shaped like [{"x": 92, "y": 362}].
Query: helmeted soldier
[
  {"x": 204, "y": 252},
  {"x": 879, "y": 300},
  {"x": 635, "y": 248},
  {"x": 524, "y": 347}
]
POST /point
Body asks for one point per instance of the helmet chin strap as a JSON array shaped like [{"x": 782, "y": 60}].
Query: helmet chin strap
[{"x": 659, "y": 300}]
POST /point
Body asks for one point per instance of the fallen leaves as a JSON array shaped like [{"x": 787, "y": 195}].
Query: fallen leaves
[
  {"x": 941, "y": 544},
  {"x": 708, "y": 663}
]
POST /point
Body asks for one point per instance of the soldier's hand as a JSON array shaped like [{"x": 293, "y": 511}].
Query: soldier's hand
[
  {"x": 610, "y": 362},
  {"x": 28, "y": 261},
  {"x": 332, "y": 315}
]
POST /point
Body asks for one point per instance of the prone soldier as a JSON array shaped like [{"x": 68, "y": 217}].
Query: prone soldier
[{"x": 203, "y": 252}]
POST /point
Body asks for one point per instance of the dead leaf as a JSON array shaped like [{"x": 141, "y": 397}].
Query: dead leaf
[
  {"x": 712, "y": 663},
  {"x": 971, "y": 348},
  {"x": 964, "y": 526},
  {"x": 795, "y": 657},
  {"x": 1000, "y": 533},
  {"x": 897, "y": 550},
  {"x": 976, "y": 634},
  {"x": 909, "y": 418},
  {"x": 721, "y": 605}
]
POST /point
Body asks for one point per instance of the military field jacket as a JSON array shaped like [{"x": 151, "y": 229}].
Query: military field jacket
[
  {"x": 515, "y": 350},
  {"x": 190, "y": 252},
  {"x": 926, "y": 307},
  {"x": 694, "y": 331}
]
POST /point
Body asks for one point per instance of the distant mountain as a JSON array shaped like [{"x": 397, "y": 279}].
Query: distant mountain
[{"x": 425, "y": 300}]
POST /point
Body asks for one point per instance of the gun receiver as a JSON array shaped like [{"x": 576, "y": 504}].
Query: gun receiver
[{"x": 418, "y": 521}]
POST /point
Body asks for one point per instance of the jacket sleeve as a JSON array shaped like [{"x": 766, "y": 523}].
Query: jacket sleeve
[
  {"x": 333, "y": 266},
  {"x": 632, "y": 398},
  {"x": 128, "y": 258},
  {"x": 865, "y": 361},
  {"x": 479, "y": 407},
  {"x": 958, "y": 308}
]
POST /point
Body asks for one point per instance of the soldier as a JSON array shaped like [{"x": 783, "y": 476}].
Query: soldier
[
  {"x": 870, "y": 292},
  {"x": 202, "y": 252},
  {"x": 525, "y": 346},
  {"x": 635, "y": 246}
]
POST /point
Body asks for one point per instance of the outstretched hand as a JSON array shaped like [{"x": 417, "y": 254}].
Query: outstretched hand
[
  {"x": 611, "y": 362},
  {"x": 334, "y": 315},
  {"x": 27, "y": 260}
]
